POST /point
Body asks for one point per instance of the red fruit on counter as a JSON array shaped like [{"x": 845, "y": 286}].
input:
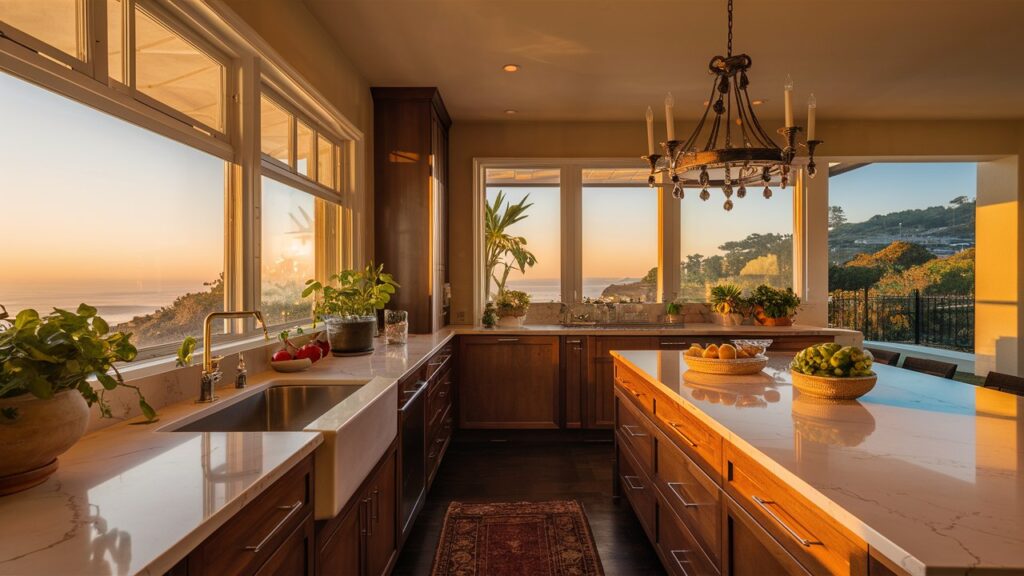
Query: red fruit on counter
[
  {"x": 311, "y": 351},
  {"x": 281, "y": 356},
  {"x": 325, "y": 347}
]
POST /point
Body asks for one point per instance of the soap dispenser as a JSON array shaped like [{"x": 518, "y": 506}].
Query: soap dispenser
[{"x": 242, "y": 375}]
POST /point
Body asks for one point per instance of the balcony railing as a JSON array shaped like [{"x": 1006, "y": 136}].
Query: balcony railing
[{"x": 941, "y": 321}]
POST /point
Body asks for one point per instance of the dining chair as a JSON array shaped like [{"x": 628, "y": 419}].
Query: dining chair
[
  {"x": 1005, "y": 383},
  {"x": 933, "y": 367},
  {"x": 886, "y": 357}
]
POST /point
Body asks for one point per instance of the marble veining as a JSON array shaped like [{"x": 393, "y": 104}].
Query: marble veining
[{"x": 930, "y": 472}]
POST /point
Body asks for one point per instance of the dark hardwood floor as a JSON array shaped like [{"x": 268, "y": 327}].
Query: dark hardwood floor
[{"x": 532, "y": 469}]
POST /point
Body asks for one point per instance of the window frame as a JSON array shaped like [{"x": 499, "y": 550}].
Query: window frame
[{"x": 571, "y": 188}]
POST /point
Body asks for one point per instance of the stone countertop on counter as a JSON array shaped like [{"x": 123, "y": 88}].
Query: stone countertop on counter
[
  {"x": 696, "y": 329},
  {"x": 134, "y": 498},
  {"x": 928, "y": 471}
]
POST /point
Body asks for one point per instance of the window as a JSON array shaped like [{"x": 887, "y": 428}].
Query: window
[
  {"x": 304, "y": 149},
  {"x": 751, "y": 244},
  {"x": 293, "y": 143},
  {"x": 57, "y": 23},
  {"x": 275, "y": 131},
  {"x": 288, "y": 255},
  {"x": 325, "y": 162},
  {"x": 525, "y": 205},
  {"x": 173, "y": 71},
  {"x": 115, "y": 39},
  {"x": 132, "y": 222},
  {"x": 620, "y": 236}
]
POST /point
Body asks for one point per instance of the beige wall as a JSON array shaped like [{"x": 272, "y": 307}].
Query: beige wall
[
  {"x": 294, "y": 33},
  {"x": 996, "y": 140}
]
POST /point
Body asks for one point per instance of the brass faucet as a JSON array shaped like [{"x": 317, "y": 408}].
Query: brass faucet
[{"x": 211, "y": 372}]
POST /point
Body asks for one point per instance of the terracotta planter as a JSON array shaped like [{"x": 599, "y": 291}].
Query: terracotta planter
[
  {"x": 733, "y": 319},
  {"x": 34, "y": 432},
  {"x": 674, "y": 318},
  {"x": 511, "y": 321},
  {"x": 763, "y": 320}
]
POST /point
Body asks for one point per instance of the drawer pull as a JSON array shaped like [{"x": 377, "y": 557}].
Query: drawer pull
[
  {"x": 675, "y": 490},
  {"x": 630, "y": 390},
  {"x": 572, "y": 341},
  {"x": 679, "y": 562},
  {"x": 292, "y": 511},
  {"x": 678, "y": 428},
  {"x": 508, "y": 339},
  {"x": 629, "y": 482},
  {"x": 629, "y": 430},
  {"x": 443, "y": 393},
  {"x": 764, "y": 506},
  {"x": 672, "y": 343}
]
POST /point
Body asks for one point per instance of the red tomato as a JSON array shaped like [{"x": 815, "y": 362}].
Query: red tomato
[
  {"x": 281, "y": 355},
  {"x": 325, "y": 348},
  {"x": 311, "y": 351}
]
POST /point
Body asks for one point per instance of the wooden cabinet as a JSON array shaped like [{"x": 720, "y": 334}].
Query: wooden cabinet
[
  {"x": 509, "y": 382},
  {"x": 574, "y": 378},
  {"x": 271, "y": 535},
  {"x": 750, "y": 550},
  {"x": 410, "y": 165},
  {"x": 600, "y": 408},
  {"x": 363, "y": 539}
]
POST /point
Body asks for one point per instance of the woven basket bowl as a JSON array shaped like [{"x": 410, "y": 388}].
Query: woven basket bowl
[
  {"x": 730, "y": 367},
  {"x": 833, "y": 388}
]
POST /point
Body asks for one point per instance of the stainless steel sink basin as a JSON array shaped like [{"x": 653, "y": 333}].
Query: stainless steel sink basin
[{"x": 285, "y": 407}]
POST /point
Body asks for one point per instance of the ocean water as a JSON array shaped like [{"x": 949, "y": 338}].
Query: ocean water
[
  {"x": 549, "y": 289},
  {"x": 115, "y": 305}
]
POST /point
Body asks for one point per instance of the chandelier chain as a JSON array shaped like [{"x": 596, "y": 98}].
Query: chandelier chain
[{"x": 729, "y": 49}]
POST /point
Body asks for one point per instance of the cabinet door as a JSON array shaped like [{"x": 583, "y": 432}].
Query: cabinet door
[
  {"x": 295, "y": 555},
  {"x": 509, "y": 382},
  {"x": 601, "y": 382},
  {"x": 574, "y": 374},
  {"x": 342, "y": 553},
  {"x": 380, "y": 518},
  {"x": 749, "y": 550}
]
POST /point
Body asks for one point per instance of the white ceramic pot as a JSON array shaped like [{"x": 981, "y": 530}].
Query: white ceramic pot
[
  {"x": 511, "y": 321},
  {"x": 34, "y": 432}
]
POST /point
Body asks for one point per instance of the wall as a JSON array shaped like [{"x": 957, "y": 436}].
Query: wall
[
  {"x": 982, "y": 140},
  {"x": 294, "y": 33}
]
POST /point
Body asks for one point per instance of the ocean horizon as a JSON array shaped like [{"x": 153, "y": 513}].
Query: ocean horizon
[{"x": 550, "y": 289}]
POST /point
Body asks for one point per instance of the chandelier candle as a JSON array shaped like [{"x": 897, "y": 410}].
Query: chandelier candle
[
  {"x": 650, "y": 131},
  {"x": 788, "y": 97},
  {"x": 812, "y": 106},
  {"x": 670, "y": 122}
]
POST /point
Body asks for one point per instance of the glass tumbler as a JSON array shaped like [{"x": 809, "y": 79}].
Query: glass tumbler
[{"x": 396, "y": 326}]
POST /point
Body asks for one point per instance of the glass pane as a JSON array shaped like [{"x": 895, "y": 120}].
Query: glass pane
[
  {"x": 623, "y": 176},
  {"x": 522, "y": 176},
  {"x": 55, "y": 22},
  {"x": 304, "y": 149},
  {"x": 275, "y": 131},
  {"x": 176, "y": 73},
  {"x": 115, "y": 40},
  {"x": 132, "y": 223},
  {"x": 325, "y": 162},
  {"x": 620, "y": 243},
  {"x": 750, "y": 245},
  {"x": 288, "y": 258},
  {"x": 536, "y": 232}
]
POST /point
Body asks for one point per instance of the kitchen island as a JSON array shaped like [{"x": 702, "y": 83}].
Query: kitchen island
[{"x": 921, "y": 476}]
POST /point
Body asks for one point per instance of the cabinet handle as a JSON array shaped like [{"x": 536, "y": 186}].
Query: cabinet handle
[
  {"x": 442, "y": 393},
  {"x": 673, "y": 343},
  {"x": 292, "y": 511},
  {"x": 629, "y": 482},
  {"x": 508, "y": 339},
  {"x": 674, "y": 487},
  {"x": 675, "y": 556},
  {"x": 629, "y": 429},
  {"x": 764, "y": 506},
  {"x": 369, "y": 511},
  {"x": 678, "y": 428},
  {"x": 375, "y": 509},
  {"x": 573, "y": 341}
]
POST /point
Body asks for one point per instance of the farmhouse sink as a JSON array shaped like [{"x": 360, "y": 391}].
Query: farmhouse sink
[{"x": 357, "y": 418}]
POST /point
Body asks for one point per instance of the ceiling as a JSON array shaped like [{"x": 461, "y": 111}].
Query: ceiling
[{"x": 609, "y": 59}]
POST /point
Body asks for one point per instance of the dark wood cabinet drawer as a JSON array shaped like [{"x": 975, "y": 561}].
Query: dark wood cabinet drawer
[
  {"x": 750, "y": 551},
  {"x": 631, "y": 383},
  {"x": 691, "y": 494},
  {"x": 817, "y": 541},
  {"x": 702, "y": 444},
  {"x": 437, "y": 443},
  {"x": 680, "y": 551},
  {"x": 439, "y": 397},
  {"x": 634, "y": 429},
  {"x": 638, "y": 489},
  {"x": 251, "y": 537},
  {"x": 295, "y": 555}
]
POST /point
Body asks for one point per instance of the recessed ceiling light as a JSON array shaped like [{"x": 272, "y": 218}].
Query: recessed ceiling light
[
  {"x": 511, "y": 112},
  {"x": 510, "y": 67},
  {"x": 759, "y": 101}
]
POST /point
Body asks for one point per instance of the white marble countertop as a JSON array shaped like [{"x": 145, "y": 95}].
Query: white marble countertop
[
  {"x": 928, "y": 471},
  {"x": 134, "y": 499},
  {"x": 695, "y": 329}
]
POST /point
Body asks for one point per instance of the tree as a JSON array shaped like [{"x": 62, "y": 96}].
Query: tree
[
  {"x": 836, "y": 217},
  {"x": 502, "y": 250},
  {"x": 850, "y": 278},
  {"x": 959, "y": 201},
  {"x": 897, "y": 257}
]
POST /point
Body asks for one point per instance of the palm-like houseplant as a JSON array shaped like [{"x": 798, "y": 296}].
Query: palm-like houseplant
[
  {"x": 504, "y": 252},
  {"x": 728, "y": 304}
]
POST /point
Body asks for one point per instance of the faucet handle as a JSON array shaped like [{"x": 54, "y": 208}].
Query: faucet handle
[{"x": 215, "y": 364}]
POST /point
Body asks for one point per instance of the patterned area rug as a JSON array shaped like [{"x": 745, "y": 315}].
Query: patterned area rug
[{"x": 516, "y": 539}]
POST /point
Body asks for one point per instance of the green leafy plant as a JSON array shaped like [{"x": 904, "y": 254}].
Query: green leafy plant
[
  {"x": 490, "y": 317},
  {"x": 775, "y": 302},
  {"x": 512, "y": 303},
  {"x": 504, "y": 252},
  {"x": 44, "y": 355},
  {"x": 351, "y": 293},
  {"x": 673, "y": 309},
  {"x": 727, "y": 299},
  {"x": 185, "y": 352}
]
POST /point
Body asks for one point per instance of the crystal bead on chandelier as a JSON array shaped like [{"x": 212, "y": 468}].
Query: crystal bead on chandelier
[{"x": 717, "y": 155}]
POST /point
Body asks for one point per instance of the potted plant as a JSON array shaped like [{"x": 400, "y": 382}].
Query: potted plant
[
  {"x": 348, "y": 304},
  {"x": 674, "y": 313},
  {"x": 728, "y": 304},
  {"x": 511, "y": 307},
  {"x": 773, "y": 306},
  {"x": 47, "y": 364}
]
